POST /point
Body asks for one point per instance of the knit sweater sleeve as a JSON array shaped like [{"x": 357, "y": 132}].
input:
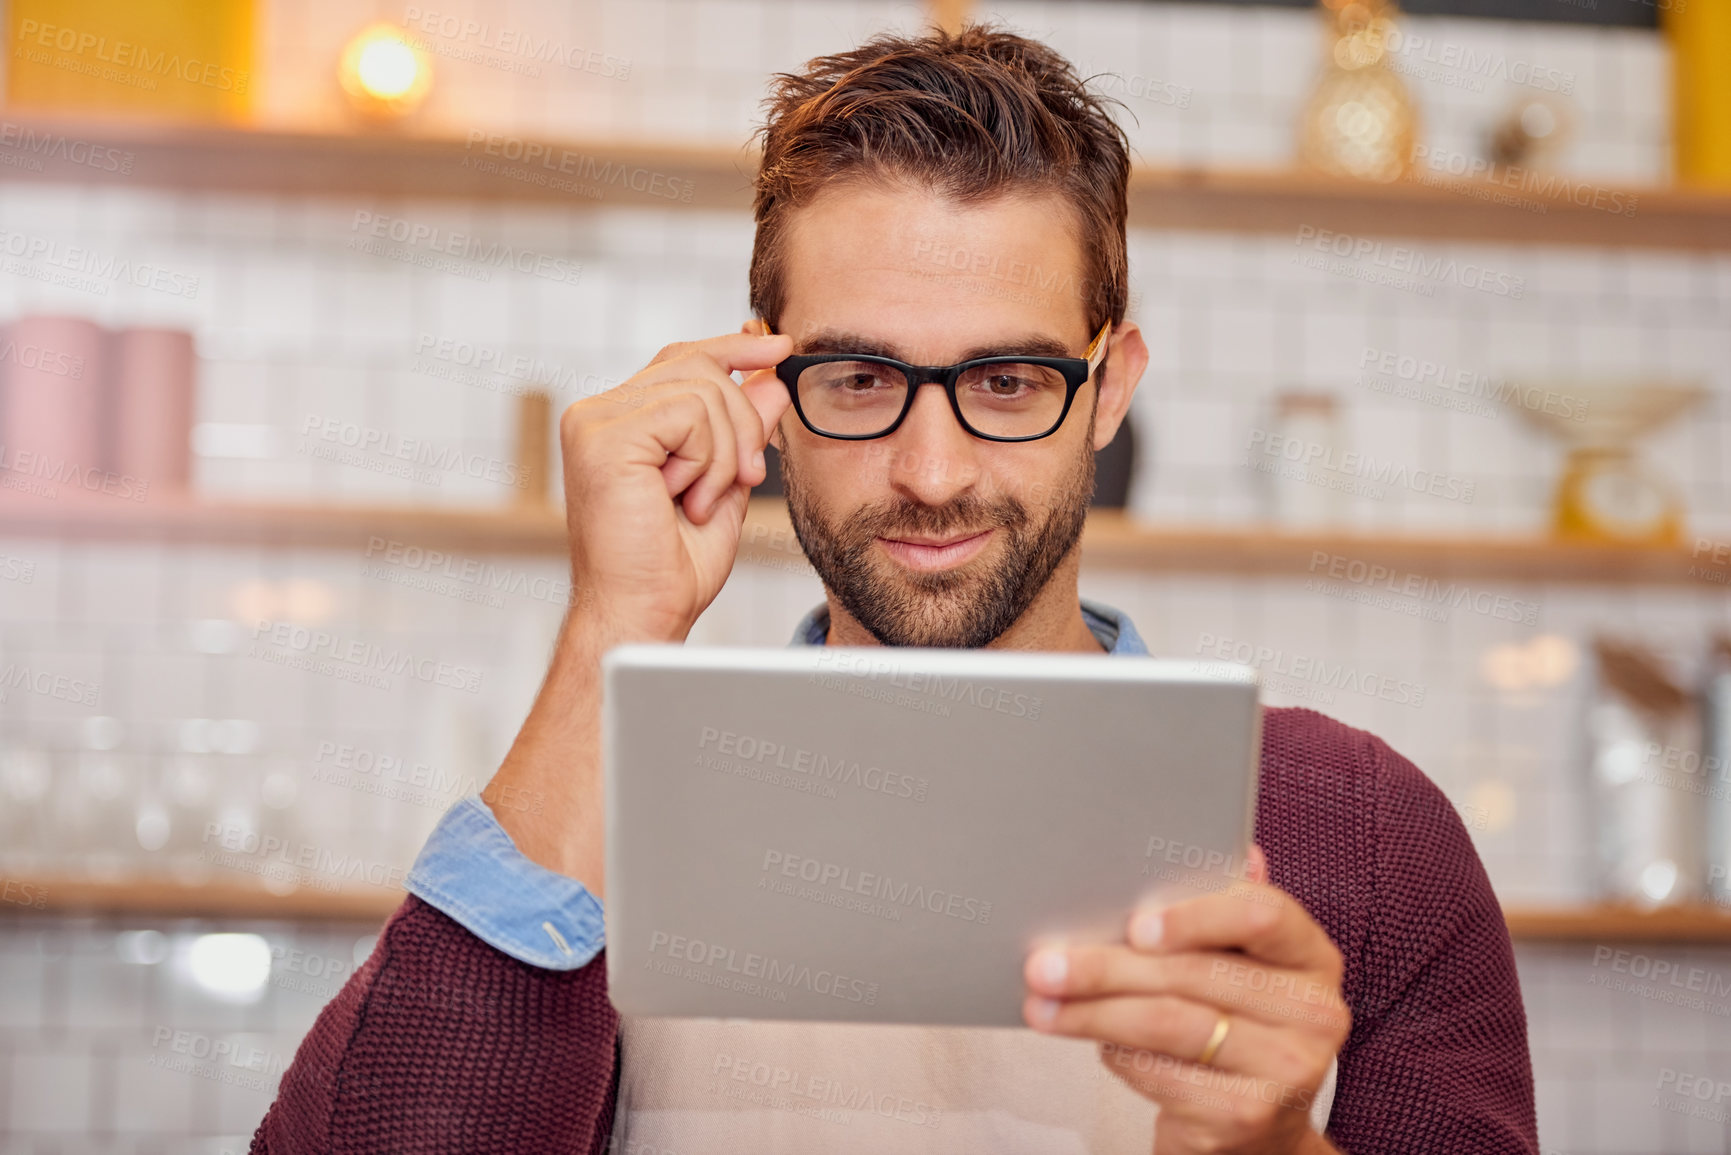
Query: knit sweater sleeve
[
  {"x": 1437, "y": 1060},
  {"x": 440, "y": 1043}
]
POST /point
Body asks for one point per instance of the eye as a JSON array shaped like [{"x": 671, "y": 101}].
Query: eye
[
  {"x": 852, "y": 380},
  {"x": 1006, "y": 384},
  {"x": 1011, "y": 382},
  {"x": 857, "y": 381}
]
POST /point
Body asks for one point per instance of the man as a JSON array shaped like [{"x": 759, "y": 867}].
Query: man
[{"x": 929, "y": 201}]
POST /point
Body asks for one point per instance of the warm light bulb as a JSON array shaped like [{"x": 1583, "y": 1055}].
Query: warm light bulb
[
  {"x": 383, "y": 72},
  {"x": 387, "y": 68}
]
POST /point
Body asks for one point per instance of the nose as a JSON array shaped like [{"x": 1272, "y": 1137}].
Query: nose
[{"x": 931, "y": 455}]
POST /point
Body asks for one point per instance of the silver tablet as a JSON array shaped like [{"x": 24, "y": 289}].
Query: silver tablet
[{"x": 881, "y": 835}]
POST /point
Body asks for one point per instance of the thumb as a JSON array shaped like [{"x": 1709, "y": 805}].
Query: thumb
[
  {"x": 769, "y": 396},
  {"x": 1255, "y": 865}
]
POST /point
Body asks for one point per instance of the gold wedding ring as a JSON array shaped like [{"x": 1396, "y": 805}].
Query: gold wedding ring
[{"x": 1206, "y": 1058}]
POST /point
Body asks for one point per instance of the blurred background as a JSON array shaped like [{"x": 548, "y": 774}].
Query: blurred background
[{"x": 1435, "y": 434}]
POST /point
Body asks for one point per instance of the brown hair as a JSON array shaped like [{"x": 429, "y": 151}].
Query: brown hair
[{"x": 972, "y": 115}]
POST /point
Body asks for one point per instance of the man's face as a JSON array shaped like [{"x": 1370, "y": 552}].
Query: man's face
[{"x": 931, "y": 536}]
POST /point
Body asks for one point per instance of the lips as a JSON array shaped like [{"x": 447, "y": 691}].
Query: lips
[{"x": 930, "y": 554}]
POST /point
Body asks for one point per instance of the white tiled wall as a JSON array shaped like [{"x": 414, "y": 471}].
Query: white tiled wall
[
  {"x": 295, "y": 324},
  {"x": 106, "y": 1049}
]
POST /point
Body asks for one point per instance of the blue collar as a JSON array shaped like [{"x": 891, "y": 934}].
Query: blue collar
[{"x": 1112, "y": 627}]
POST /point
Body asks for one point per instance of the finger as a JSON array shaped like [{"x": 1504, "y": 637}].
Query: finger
[
  {"x": 1181, "y": 1029},
  {"x": 681, "y": 438},
  {"x": 770, "y": 397},
  {"x": 748, "y": 422},
  {"x": 722, "y": 469},
  {"x": 1231, "y": 982},
  {"x": 734, "y": 352},
  {"x": 1255, "y": 918},
  {"x": 1255, "y": 865},
  {"x": 743, "y": 415},
  {"x": 758, "y": 405},
  {"x": 1194, "y": 1090},
  {"x": 764, "y": 390}
]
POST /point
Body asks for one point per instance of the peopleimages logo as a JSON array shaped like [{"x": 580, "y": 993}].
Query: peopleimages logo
[
  {"x": 534, "y": 373},
  {"x": 314, "y": 649},
  {"x": 441, "y": 242},
  {"x": 38, "y": 474},
  {"x": 1362, "y": 467},
  {"x": 1525, "y": 183},
  {"x": 871, "y": 885},
  {"x": 544, "y": 164},
  {"x": 47, "y": 360},
  {"x": 88, "y": 270},
  {"x": 984, "y": 696},
  {"x": 424, "y": 460},
  {"x": 33, "y": 145},
  {"x": 1663, "y": 972},
  {"x": 1400, "y": 259},
  {"x": 47, "y": 684},
  {"x": 814, "y": 1095},
  {"x": 1311, "y": 671},
  {"x": 219, "y": 1060},
  {"x": 1376, "y": 577},
  {"x": 134, "y": 64},
  {"x": 751, "y": 756},
  {"x": 1438, "y": 374},
  {"x": 767, "y": 968},
  {"x": 523, "y": 44},
  {"x": 407, "y": 562},
  {"x": 240, "y": 847}
]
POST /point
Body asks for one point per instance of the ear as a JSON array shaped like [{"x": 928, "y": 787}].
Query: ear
[{"x": 1119, "y": 374}]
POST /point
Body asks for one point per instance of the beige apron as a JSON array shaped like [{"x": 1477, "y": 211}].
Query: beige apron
[{"x": 695, "y": 1086}]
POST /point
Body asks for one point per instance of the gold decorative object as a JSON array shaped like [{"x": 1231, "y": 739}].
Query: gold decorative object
[
  {"x": 1606, "y": 493},
  {"x": 1700, "y": 39},
  {"x": 1360, "y": 121},
  {"x": 534, "y": 447},
  {"x": 184, "y": 60}
]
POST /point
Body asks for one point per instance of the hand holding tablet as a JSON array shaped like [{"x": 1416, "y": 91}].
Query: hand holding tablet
[{"x": 1225, "y": 1009}]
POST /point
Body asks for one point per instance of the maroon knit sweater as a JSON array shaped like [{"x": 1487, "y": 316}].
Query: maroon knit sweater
[{"x": 440, "y": 1043}]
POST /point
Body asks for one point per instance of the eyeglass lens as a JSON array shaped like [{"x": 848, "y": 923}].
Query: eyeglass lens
[{"x": 862, "y": 398}]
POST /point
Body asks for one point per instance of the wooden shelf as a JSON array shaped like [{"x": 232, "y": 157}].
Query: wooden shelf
[
  {"x": 236, "y": 901},
  {"x": 214, "y": 900},
  {"x": 1112, "y": 541},
  {"x": 1444, "y": 210},
  {"x": 604, "y": 172},
  {"x": 378, "y": 165},
  {"x": 1689, "y": 924},
  {"x": 73, "y": 517}
]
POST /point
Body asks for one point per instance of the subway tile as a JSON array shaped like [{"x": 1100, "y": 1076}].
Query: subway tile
[
  {"x": 52, "y": 1091},
  {"x": 152, "y": 1097}
]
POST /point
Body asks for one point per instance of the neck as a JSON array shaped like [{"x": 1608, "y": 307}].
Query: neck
[{"x": 1053, "y": 622}]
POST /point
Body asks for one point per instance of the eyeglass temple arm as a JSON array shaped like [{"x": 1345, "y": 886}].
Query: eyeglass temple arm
[{"x": 1097, "y": 347}]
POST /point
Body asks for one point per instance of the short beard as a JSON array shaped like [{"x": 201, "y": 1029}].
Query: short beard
[{"x": 954, "y": 609}]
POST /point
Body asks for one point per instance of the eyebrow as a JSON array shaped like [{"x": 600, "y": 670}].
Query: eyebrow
[{"x": 839, "y": 341}]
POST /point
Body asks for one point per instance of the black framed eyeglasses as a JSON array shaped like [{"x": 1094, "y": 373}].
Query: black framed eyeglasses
[{"x": 856, "y": 397}]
